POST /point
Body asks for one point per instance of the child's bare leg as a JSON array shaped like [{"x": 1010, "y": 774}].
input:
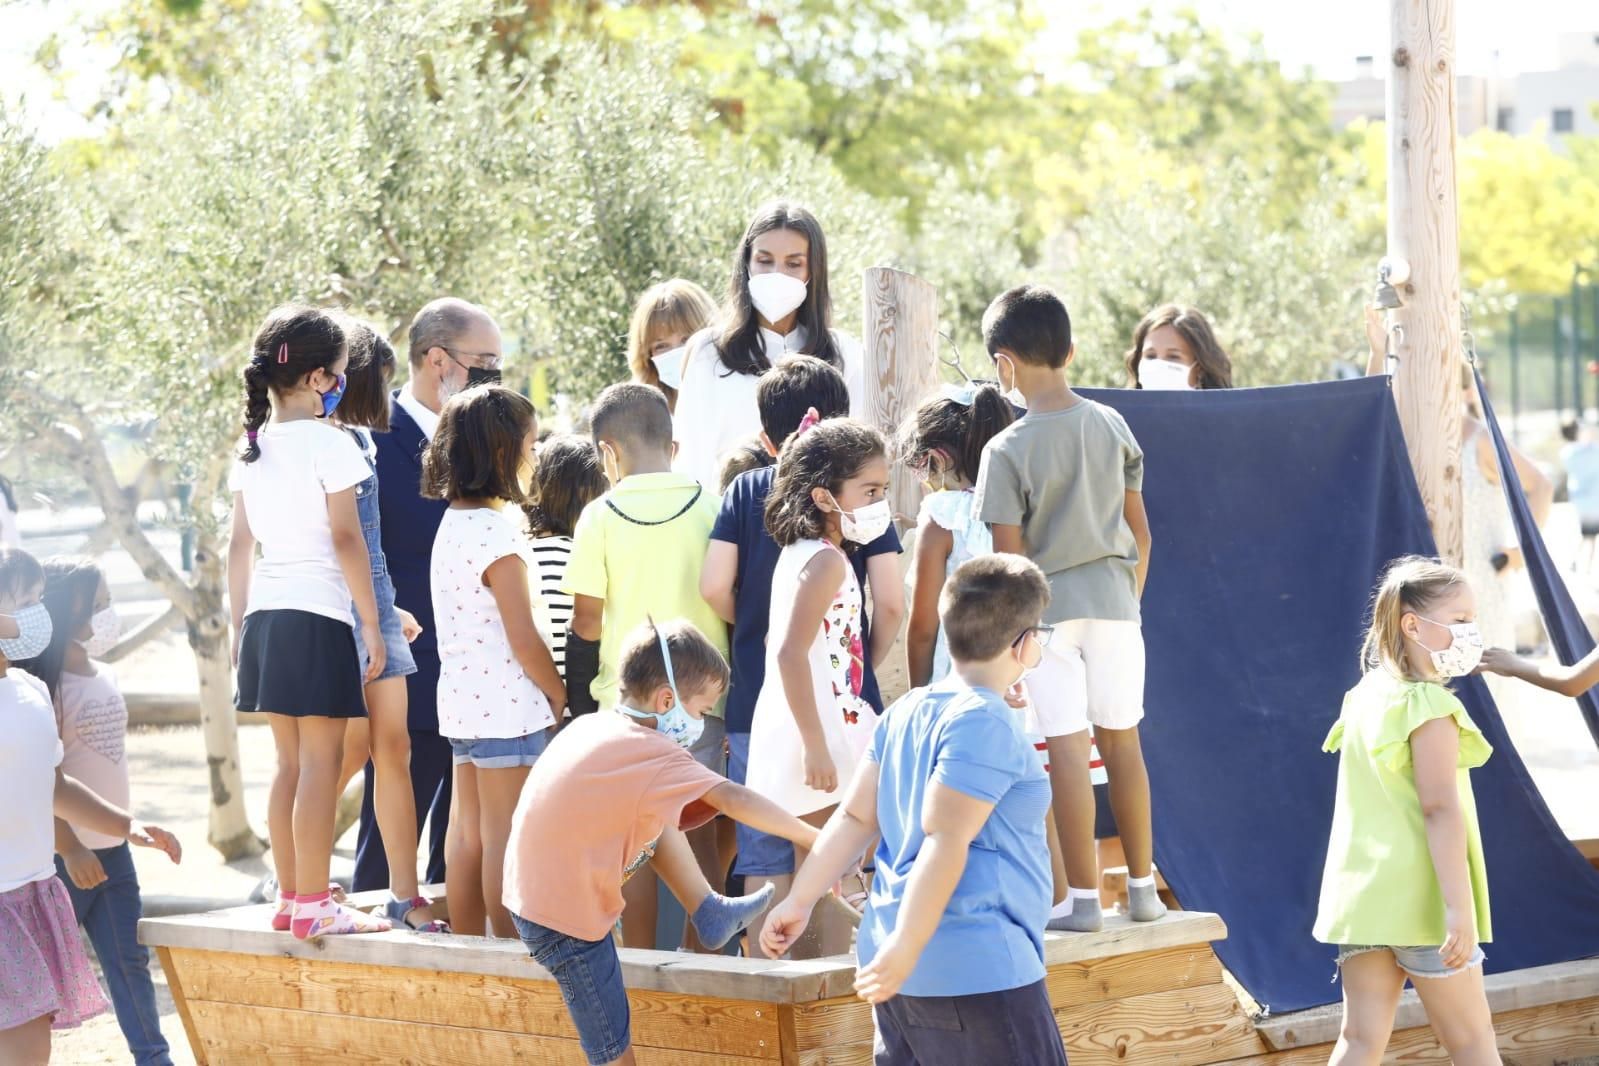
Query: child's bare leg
[
  {"x": 321, "y": 752},
  {"x": 1072, "y": 803},
  {"x": 27, "y": 1043},
  {"x": 1372, "y": 983},
  {"x": 463, "y": 855},
  {"x": 715, "y": 917},
  {"x": 1129, "y": 800},
  {"x": 497, "y": 792},
  {"x": 1457, "y": 1009},
  {"x": 280, "y": 801},
  {"x": 388, "y": 741},
  {"x": 357, "y": 737},
  {"x": 1057, "y": 862},
  {"x": 702, "y": 842},
  {"x": 726, "y": 848},
  {"x": 641, "y": 913}
]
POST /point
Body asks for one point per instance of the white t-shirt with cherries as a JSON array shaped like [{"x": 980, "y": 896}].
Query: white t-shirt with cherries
[
  {"x": 29, "y": 756},
  {"x": 483, "y": 691},
  {"x": 286, "y": 503}
]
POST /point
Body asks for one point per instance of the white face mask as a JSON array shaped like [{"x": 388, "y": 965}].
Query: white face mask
[
  {"x": 106, "y": 629},
  {"x": 1464, "y": 651},
  {"x": 776, "y": 295},
  {"x": 669, "y": 365},
  {"x": 865, "y": 524},
  {"x": 1013, "y": 394},
  {"x": 1163, "y": 375}
]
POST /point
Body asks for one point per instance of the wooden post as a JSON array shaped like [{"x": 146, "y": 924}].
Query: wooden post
[
  {"x": 901, "y": 341},
  {"x": 1423, "y": 229}
]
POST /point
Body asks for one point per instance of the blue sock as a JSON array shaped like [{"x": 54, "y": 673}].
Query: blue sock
[{"x": 720, "y": 918}]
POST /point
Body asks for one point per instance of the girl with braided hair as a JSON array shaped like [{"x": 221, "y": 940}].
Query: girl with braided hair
[{"x": 294, "y": 488}]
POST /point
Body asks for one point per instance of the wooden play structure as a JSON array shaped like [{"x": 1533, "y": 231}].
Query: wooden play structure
[{"x": 1151, "y": 994}]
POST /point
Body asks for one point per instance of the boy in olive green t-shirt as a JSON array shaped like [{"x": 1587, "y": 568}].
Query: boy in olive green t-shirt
[{"x": 1063, "y": 485}]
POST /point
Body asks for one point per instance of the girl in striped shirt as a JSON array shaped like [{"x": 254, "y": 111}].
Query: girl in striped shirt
[{"x": 568, "y": 476}]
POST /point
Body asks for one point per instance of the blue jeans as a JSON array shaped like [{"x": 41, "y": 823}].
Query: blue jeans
[
  {"x": 109, "y": 913},
  {"x": 590, "y": 975}
]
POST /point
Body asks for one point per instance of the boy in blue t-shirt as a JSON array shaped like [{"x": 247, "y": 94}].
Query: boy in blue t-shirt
[
  {"x": 737, "y": 582},
  {"x": 951, "y": 949}
]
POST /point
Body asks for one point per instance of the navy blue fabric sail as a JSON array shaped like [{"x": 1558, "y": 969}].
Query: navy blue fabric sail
[
  {"x": 1273, "y": 512},
  {"x": 1567, "y": 631}
]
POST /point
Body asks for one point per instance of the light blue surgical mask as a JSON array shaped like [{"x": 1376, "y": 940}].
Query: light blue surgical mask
[
  {"x": 677, "y": 723},
  {"x": 34, "y": 630}
]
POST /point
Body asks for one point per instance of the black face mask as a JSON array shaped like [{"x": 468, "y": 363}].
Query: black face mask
[{"x": 476, "y": 375}]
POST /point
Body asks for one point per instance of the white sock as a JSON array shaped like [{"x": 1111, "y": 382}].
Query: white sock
[
  {"x": 1081, "y": 893},
  {"x": 1063, "y": 909},
  {"x": 1141, "y": 882}
]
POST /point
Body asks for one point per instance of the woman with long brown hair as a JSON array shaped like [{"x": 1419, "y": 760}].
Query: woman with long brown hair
[{"x": 1175, "y": 348}]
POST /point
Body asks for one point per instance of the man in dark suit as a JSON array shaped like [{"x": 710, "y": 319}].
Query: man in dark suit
[{"x": 448, "y": 338}]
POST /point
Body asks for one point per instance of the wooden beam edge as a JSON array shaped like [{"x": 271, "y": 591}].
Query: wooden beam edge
[
  {"x": 1123, "y": 936},
  {"x": 1518, "y": 990}
]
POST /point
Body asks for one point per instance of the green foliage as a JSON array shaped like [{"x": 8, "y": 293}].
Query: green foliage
[
  {"x": 29, "y": 215},
  {"x": 1285, "y": 299}
]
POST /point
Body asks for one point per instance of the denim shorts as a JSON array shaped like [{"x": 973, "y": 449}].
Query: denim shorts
[
  {"x": 399, "y": 661},
  {"x": 590, "y": 975},
  {"x": 493, "y": 753},
  {"x": 1013, "y": 1026},
  {"x": 759, "y": 854},
  {"x": 1415, "y": 961}
]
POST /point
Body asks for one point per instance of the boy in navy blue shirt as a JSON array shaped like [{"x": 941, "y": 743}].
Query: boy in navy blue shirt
[
  {"x": 737, "y": 582},
  {"x": 951, "y": 949}
]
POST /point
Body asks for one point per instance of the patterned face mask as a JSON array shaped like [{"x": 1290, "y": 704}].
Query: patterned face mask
[
  {"x": 677, "y": 723},
  {"x": 34, "y": 630},
  {"x": 1464, "y": 651}
]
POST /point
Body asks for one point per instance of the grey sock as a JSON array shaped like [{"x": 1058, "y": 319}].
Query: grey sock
[
  {"x": 1143, "y": 903},
  {"x": 720, "y": 918},
  {"x": 1085, "y": 917}
]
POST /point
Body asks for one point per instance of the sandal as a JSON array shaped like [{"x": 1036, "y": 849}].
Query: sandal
[{"x": 399, "y": 912}]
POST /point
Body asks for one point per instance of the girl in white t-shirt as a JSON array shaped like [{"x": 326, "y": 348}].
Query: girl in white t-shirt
[
  {"x": 46, "y": 980},
  {"x": 500, "y": 693},
  {"x": 778, "y": 304},
  {"x": 294, "y": 640}
]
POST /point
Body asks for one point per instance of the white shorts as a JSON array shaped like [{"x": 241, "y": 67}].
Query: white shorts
[{"x": 1092, "y": 674}]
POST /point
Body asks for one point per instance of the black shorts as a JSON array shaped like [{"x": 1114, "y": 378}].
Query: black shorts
[
  {"x": 1590, "y": 528},
  {"x": 1104, "y": 818},
  {"x": 300, "y": 664},
  {"x": 1014, "y": 1026}
]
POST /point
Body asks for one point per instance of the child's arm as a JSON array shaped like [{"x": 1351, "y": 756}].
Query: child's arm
[
  {"x": 349, "y": 546},
  {"x": 1008, "y": 539},
  {"x": 75, "y": 802},
  {"x": 83, "y": 865},
  {"x": 241, "y": 562},
  {"x": 1571, "y": 680},
  {"x": 583, "y": 652},
  {"x": 1138, "y": 521},
  {"x": 846, "y": 835},
  {"x": 888, "y": 603},
  {"x": 951, "y": 820},
  {"x": 506, "y": 578},
  {"x": 756, "y": 811},
  {"x": 818, "y": 583},
  {"x": 718, "y": 576},
  {"x": 1435, "y": 755},
  {"x": 931, "y": 559}
]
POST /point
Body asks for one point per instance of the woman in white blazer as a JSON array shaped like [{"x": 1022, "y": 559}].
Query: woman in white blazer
[{"x": 777, "y": 304}]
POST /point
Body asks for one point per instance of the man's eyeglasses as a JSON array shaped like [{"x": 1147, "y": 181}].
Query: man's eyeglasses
[
  {"x": 474, "y": 360},
  {"x": 1041, "y": 633}
]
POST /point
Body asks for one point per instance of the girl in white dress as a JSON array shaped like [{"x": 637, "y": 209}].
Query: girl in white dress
[{"x": 943, "y": 443}]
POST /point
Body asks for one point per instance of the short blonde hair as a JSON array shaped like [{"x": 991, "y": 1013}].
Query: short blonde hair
[
  {"x": 1412, "y": 583},
  {"x": 675, "y": 306}
]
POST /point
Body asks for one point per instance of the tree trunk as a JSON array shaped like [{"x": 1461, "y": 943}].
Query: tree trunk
[{"x": 229, "y": 829}]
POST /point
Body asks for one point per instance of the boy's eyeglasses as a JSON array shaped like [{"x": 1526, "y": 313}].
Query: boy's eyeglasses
[{"x": 1041, "y": 633}]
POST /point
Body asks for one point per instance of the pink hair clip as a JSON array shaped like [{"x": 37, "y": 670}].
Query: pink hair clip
[
  {"x": 283, "y": 353},
  {"x": 809, "y": 422}
]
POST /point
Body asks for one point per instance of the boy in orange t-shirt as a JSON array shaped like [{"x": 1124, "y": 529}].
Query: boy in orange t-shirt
[{"x": 616, "y": 790}]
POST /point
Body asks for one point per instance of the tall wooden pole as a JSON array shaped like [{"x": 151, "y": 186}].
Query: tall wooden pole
[
  {"x": 901, "y": 342},
  {"x": 1423, "y": 229}
]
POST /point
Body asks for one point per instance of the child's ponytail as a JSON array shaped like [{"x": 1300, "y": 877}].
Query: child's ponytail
[
  {"x": 951, "y": 429},
  {"x": 990, "y": 412},
  {"x": 257, "y": 408}
]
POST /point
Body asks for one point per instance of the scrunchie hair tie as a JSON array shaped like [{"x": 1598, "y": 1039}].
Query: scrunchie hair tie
[
  {"x": 809, "y": 422},
  {"x": 250, "y": 435}
]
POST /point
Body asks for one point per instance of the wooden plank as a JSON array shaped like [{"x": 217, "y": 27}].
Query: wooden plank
[
  {"x": 831, "y": 1023},
  {"x": 1123, "y": 936},
  {"x": 240, "y": 1034},
  {"x": 1550, "y": 1035},
  {"x": 900, "y": 337},
  {"x": 473, "y": 1001},
  {"x": 246, "y": 931},
  {"x": 1124, "y": 976},
  {"x": 1507, "y": 992},
  {"x": 1183, "y": 1027},
  {"x": 180, "y": 1000}
]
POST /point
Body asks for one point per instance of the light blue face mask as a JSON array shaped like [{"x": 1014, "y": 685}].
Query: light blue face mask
[
  {"x": 34, "y": 630},
  {"x": 676, "y": 723}
]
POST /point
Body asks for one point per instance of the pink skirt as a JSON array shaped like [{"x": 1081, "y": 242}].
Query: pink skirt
[{"x": 43, "y": 967}]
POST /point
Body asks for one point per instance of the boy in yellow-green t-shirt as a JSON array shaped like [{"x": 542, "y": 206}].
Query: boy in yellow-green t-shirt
[
  {"x": 636, "y": 555},
  {"x": 1404, "y": 893}
]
